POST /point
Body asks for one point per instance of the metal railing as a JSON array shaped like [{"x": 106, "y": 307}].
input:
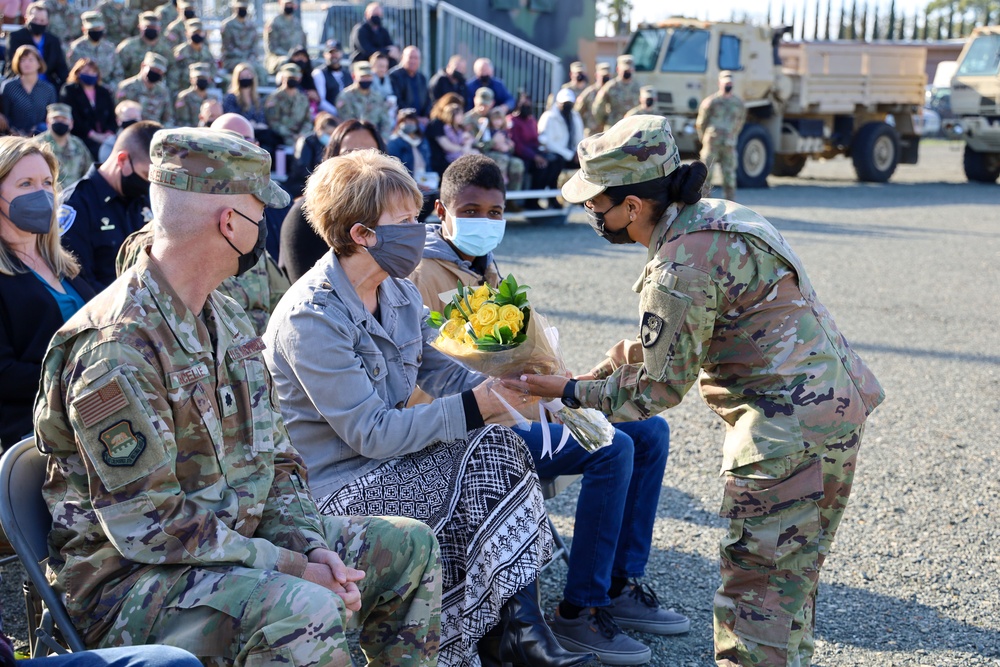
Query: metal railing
[{"x": 520, "y": 64}]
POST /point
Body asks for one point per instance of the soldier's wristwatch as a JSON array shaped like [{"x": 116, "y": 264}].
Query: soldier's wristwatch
[{"x": 569, "y": 395}]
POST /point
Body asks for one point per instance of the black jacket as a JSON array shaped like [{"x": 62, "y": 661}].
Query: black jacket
[
  {"x": 86, "y": 117},
  {"x": 56, "y": 70},
  {"x": 411, "y": 92},
  {"x": 29, "y": 316},
  {"x": 366, "y": 40}
]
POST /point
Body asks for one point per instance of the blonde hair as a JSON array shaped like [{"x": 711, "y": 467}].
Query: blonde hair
[
  {"x": 234, "y": 85},
  {"x": 59, "y": 260},
  {"x": 352, "y": 188}
]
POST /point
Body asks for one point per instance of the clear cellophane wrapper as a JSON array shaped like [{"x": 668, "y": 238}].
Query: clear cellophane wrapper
[{"x": 539, "y": 354}]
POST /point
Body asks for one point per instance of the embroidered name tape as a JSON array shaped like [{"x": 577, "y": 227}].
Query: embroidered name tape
[
  {"x": 187, "y": 376},
  {"x": 245, "y": 350}
]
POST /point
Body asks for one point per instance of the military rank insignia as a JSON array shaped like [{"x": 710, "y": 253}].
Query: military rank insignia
[
  {"x": 122, "y": 445},
  {"x": 652, "y": 326}
]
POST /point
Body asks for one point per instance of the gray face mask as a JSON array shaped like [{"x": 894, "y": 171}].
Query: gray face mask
[
  {"x": 32, "y": 212},
  {"x": 398, "y": 248}
]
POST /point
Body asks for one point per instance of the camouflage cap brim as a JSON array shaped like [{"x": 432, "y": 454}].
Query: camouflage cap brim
[
  {"x": 577, "y": 189},
  {"x": 273, "y": 196}
]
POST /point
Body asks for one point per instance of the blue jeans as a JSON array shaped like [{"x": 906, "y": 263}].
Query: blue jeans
[
  {"x": 617, "y": 504},
  {"x": 131, "y": 656}
]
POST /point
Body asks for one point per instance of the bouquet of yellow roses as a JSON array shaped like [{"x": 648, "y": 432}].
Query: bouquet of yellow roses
[{"x": 495, "y": 331}]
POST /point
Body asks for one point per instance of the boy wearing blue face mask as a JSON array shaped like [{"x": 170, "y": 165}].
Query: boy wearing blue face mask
[{"x": 621, "y": 483}]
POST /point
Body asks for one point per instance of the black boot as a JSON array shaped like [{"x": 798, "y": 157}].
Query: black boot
[{"x": 523, "y": 639}]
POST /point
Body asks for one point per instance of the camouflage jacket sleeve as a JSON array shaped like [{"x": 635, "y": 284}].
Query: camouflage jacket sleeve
[
  {"x": 741, "y": 118},
  {"x": 678, "y": 305},
  {"x": 141, "y": 506},
  {"x": 134, "y": 244},
  {"x": 703, "y": 110},
  {"x": 600, "y": 106}
]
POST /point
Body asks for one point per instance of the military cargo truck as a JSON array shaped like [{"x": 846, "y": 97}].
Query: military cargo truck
[
  {"x": 811, "y": 99},
  {"x": 975, "y": 102}
]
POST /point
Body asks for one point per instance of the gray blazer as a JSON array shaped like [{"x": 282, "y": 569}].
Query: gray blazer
[{"x": 343, "y": 378}]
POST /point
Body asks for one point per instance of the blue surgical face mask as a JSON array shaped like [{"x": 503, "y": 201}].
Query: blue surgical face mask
[
  {"x": 324, "y": 139},
  {"x": 476, "y": 237}
]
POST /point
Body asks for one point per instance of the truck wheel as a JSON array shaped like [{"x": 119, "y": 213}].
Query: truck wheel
[
  {"x": 788, "y": 165},
  {"x": 981, "y": 167},
  {"x": 875, "y": 152},
  {"x": 754, "y": 157}
]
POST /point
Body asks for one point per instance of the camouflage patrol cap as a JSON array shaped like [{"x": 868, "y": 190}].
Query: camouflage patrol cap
[
  {"x": 637, "y": 149},
  {"x": 239, "y": 3},
  {"x": 604, "y": 68},
  {"x": 290, "y": 71},
  {"x": 625, "y": 61},
  {"x": 92, "y": 20},
  {"x": 361, "y": 68},
  {"x": 200, "y": 69},
  {"x": 577, "y": 67},
  {"x": 59, "y": 110},
  {"x": 149, "y": 18},
  {"x": 193, "y": 25},
  {"x": 198, "y": 159},
  {"x": 484, "y": 95},
  {"x": 725, "y": 75},
  {"x": 647, "y": 91},
  {"x": 155, "y": 60}
]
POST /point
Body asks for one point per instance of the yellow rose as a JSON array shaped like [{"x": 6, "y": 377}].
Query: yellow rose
[
  {"x": 512, "y": 316},
  {"x": 477, "y": 302},
  {"x": 453, "y": 329},
  {"x": 488, "y": 315},
  {"x": 482, "y": 292}
]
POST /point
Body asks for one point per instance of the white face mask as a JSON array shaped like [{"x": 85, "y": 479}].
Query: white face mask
[{"x": 476, "y": 237}]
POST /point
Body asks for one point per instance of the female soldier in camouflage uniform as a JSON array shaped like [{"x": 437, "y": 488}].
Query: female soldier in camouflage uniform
[{"x": 724, "y": 298}]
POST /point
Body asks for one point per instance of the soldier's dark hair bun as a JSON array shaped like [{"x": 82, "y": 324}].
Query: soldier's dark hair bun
[{"x": 685, "y": 183}]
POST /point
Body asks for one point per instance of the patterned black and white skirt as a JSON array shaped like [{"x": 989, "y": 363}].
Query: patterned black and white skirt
[{"x": 481, "y": 496}]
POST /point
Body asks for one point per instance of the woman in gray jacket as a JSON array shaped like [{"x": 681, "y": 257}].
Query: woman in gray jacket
[{"x": 347, "y": 346}]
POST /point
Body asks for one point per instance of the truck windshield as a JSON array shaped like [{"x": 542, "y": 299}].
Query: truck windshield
[
  {"x": 982, "y": 58},
  {"x": 645, "y": 48},
  {"x": 687, "y": 51}
]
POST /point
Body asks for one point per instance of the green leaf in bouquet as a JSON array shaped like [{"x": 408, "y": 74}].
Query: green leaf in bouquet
[
  {"x": 436, "y": 319},
  {"x": 519, "y": 338},
  {"x": 503, "y": 334}
]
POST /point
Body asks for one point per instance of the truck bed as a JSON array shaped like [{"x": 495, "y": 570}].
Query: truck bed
[{"x": 837, "y": 77}]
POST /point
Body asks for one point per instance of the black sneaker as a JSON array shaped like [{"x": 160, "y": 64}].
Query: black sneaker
[
  {"x": 595, "y": 631},
  {"x": 638, "y": 608}
]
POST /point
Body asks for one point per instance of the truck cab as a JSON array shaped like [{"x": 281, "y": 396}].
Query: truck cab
[{"x": 975, "y": 103}]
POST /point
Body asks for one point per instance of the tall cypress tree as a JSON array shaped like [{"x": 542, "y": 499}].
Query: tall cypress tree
[
  {"x": 864, "y": 22},
  {"x": 829, "y": 11},
  {"x": 816, "y": 23},
  {"x": 841, "y": 30},
  {"x": 892, "y": 20},
  {"x": 951, "y": 21},
  {"x": 875, "y": 30},
  {"x": 853, "y": 28}
]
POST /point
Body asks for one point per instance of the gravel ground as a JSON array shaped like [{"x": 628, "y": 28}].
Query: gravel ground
[{"x": 910, "y": 270}]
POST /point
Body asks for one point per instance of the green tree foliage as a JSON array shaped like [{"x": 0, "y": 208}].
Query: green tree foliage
[{"x": 617, "y": 14}]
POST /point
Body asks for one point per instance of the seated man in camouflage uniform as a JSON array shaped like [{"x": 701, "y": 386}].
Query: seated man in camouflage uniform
[
  {"x": 73, "y": 155},
  {"x": 95, "y": 46},
  {"x": 647, "y": 102},
  {"x": 287, "y": 108},
  {"x": 189, "y": 101},
  {"x": 362, "y": 102},
  {"x": 148, "y": 89},
  {"x": 181, "y": 513},
  {"x": 132, "y": 50},
  {"x": 194, "y": 50}
]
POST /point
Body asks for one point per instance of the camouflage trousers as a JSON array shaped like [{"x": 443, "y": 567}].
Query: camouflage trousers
[
  {"x": 783, "y": 515},
  {"x": 231, "y": 615},
  {"x": 724, "y": 155},
  {"x": 512, "y": 168}
]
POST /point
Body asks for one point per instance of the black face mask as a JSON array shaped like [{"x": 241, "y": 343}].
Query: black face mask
[
  {"x": 289, "y": 10},
  {"x": 648, "y": 103},
  {"x": 292, "y": 83},
  {"x": 581, "y": 77},
  {"x": 127, "y": 123},
  {"x": 376, "y": 21},
  {"x": 189, "y": 13},
  {"x": 153, "y": 76},
  {"x": 95, "y": 35},
  {"x": 37, "y": 29},
  {"x": 596, "y": 220},
  {"x": 248, "y": 260},
  {"x": 241, "y": 12},
  {"x": 197, "y": 38},
  {"x": 627, "y": 74},
  {"x": 728, "y": 87},
  {"x": 59, "y": 129},
  {"x": 364, "y": 85},
  {"x": 457, "y": 77},
  {"x": 485, "y": 80},
  {"x": 134, "y": 185},
  {"x": 151, "y": 34},
  {"x": 246, "y": 83},
  {"x": 605, "y": 79},
  {"x": 201, "y": 84}
]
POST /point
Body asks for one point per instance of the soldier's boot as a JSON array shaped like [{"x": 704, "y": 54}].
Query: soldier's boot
[
  {"x": 729, "y": 193},
  {"x": 523, "y": 639}
]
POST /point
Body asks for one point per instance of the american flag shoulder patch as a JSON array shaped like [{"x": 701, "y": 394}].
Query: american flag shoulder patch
[{"x": 101, "y": 403}]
